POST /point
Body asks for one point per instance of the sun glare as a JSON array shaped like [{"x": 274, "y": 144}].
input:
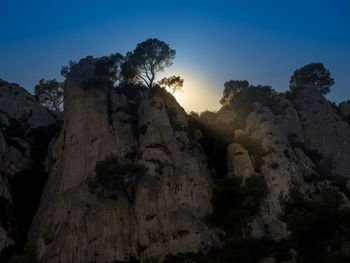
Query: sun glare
[
  {"x": 197, "y": 94},
  {"x": 177, "y": 94}
]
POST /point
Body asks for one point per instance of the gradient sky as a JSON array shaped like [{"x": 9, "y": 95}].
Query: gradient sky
[{"x": 261, "y": 41}]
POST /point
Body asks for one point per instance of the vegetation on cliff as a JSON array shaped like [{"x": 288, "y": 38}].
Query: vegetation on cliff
[
  {"x": 111, "y": 176},
  {"x": 319, "y": 225}
]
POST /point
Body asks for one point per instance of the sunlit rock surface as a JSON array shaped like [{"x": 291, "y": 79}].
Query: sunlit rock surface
[{"x": 73, "y": 225}]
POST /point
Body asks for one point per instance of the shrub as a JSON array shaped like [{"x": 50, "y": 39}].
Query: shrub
[
  {"x": 240, "y": 96},
  {"x": 29, "y": 255},
  {"x": 110, "y": 175},
  {"x": 234, "y": 206},
  {"x": 319, "y": 225}
]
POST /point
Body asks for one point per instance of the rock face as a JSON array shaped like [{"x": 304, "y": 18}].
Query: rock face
[
  {"x": 22, "y": 122},
  {"x": 324, "y": 130},
  {"x": 287, "y": 139},
  {"x": 238, "y": 161},
  {"x": 147, "y": 126},
  {"x": 297, "y": 140},
  {"x": 345, "y": 109}
]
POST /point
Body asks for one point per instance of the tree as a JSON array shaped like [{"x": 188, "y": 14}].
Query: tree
[
  {"x": 319, "y": 226},
  {"x": 235, "y": 204},
  {"x": 50, "y": 94},
  {"x": 232, "y": 88},
  {"x": 173, "y": 83},
  {"x": 65, "y": 70},
  {"x": 315, "y": 74},
  {"x": 111, "y": 175},
  {"x": 129, "y": 71},
  {"x": 109, "y": 68},
  {"x": 149, "y": 58}
]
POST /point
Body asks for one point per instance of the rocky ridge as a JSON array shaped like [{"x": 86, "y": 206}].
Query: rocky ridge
[
  {"x": 25, "y": 130},
  {"x": 299, "y": 138},
  {"x": 147, "y": 126}
]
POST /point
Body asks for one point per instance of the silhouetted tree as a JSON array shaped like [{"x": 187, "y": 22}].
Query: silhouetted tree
[
  {"x": 50, "y": 94},
  {"x": 111, "y": 175},
  {"x": 173, "y": 83},
  {"x": 232, "y": 88},
  {"x": 148, "y": 58},
  {"x": 129, "y": 71},
  {"x": 109, "y": 67},
  {"x": 315, "y": 74},
  {"x": 66, "y": 69},
  {"x": 319, "y": 226}
]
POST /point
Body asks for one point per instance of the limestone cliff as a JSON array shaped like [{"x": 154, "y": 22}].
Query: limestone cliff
[
  {"x": 25, "y": 129},
  {"x": 286, "y": 139},
  {"x": 300, "y": 138},
  {"x": 147, "y": 126}
]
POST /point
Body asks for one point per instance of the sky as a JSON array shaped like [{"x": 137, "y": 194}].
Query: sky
[{"x": 215, "y": 41}]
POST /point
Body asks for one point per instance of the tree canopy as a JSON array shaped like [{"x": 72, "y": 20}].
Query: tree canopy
[
  {"x": 111, "y": 175},
  {"x": 50, "y": 94},
  {"x": 232, "y": 88},
  {"x": 149, "y": 58},
  {"x": 65, "y": 70},
  {"x": 173, "y": 83},
  {"x": 315, "y": 74},
  {"x": 319, "y": 226},
  {"x": 109, "y": 67}
]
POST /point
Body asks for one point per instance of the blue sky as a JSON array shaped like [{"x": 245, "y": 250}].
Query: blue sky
[{"x": 261, "y": 41}]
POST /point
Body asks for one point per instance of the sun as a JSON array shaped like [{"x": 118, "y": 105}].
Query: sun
[{"x": 177, "y": 94}]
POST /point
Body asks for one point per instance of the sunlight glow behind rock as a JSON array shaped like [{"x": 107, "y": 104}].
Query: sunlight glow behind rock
[{"x": 198, "y": 93}]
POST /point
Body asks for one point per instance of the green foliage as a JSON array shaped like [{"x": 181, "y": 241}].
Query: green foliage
[
  {"x": 319, "y": 226},
  {"x": 173, "y": 83},
  {"x": 255, "y": 149},
  {"x": 314, "y": 74},
  {"x": 149, "y": 58},
  {"x": 130, "y": 73},
  {"x": 29, "y": 255},
  {"x": 50, "y": 94},
  {"x": 235, "y": 204},
  {"x": 65, "y": 70},
  {"x": 3, "y": 82},
  {"x": 232, "y": 88},
  {"x": 110, "y": 175},
  {"x": 109, "y": 68},
  {"x": 240, "y": 96}
]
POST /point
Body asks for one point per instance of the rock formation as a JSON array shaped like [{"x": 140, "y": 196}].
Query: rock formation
[
  {"x": 296, "y": 138},
  {"x": 25, "y": 129},
  {"x": 302, "y": 139},
  {"x": 147, "y": 126}
]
